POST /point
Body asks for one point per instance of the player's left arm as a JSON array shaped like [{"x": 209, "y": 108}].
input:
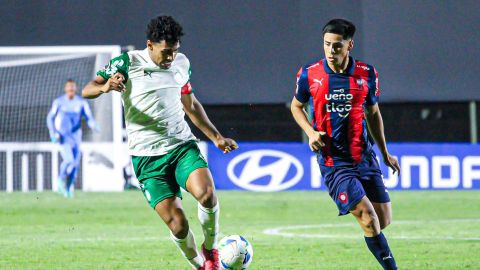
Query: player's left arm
[
  {"x": 87, "y": 113},
  {"x": 375, "y": 122},
  {"x": 194, "y": 109},
  {"x": 376, "y": 129}
]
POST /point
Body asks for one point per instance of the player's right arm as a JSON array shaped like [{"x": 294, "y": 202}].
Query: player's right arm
[
  {"x": 54, "y": 134},
  {"x": 112, "y": 77},
  {"x": 100, "y": 85},
  {"x": 302, "y": 95}
]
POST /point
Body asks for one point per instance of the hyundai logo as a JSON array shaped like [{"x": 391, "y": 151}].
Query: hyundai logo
[{"x": 283, "y": 172}]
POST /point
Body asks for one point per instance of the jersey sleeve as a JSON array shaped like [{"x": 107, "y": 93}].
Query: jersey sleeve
[
  {"x": 87, "y": 113},
  {"x": 51, "y": 118},
  {"x": 373, "y": 87},
  {"x": 187, "y": 89},
  {"x": 120, "y": 64},
  {"x": 302, "y": 92}
]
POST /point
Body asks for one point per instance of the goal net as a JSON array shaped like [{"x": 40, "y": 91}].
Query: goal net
[{"x": 30, "y": 79}]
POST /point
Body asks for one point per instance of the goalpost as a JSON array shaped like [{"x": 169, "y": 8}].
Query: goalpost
[{"x": 30, "y": 79}]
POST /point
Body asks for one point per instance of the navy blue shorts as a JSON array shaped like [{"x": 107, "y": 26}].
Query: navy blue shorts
[
  {"x": 344, "y": 187},
  {"x": 348, "y": 184},
  {"x": 372, "y": 179}
]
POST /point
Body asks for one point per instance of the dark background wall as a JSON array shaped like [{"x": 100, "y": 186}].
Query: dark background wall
[{"x": 245, "y": 52}]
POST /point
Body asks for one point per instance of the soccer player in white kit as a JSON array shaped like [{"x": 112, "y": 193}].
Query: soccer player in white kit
[{"x": 156, "y": 94}]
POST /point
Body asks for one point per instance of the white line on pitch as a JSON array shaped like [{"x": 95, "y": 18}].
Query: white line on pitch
[{"x": 281, "y": 231}]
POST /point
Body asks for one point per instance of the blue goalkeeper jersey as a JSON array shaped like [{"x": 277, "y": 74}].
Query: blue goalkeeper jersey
[{"x": 64, "y": 120}]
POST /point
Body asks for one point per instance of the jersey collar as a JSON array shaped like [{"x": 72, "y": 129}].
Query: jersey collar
[
  {"x": 147, "y": 57},
  {"x": 350, "y": 67}
]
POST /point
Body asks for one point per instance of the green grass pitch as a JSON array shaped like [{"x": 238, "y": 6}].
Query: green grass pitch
[{"x": 431, "y": 230}]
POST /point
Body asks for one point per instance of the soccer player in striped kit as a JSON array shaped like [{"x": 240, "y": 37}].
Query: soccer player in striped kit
[
  {"x": 64, "y": 123},
  {"x": 342, "y": 96}
]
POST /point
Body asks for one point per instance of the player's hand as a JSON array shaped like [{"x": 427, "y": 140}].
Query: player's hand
[
  {"x": 56, "y": 138},
  {"x": 315, "y": 140},
  {"x": 392, "y": 162},
  {"x": 96, "y": 128},
  {"x": 115, "y": 83},
  {"x": 227, "y": 145}
]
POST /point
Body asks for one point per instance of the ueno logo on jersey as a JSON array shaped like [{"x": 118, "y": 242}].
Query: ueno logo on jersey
[
  {"x": 340, "y": 102},
  {"x": 265, "y": 170}
]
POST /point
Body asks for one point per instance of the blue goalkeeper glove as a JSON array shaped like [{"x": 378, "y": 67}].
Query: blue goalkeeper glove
[{"x": 56, "y": 138}]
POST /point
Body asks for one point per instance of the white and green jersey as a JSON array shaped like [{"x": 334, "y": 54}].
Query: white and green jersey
[{"x": 154, "y": 116}]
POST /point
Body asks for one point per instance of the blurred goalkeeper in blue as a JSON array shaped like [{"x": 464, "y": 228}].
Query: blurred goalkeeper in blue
[{"x": 64, "y": 123}]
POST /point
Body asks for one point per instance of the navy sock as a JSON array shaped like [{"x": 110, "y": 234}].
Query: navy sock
[{"x": 379, "y": 247}]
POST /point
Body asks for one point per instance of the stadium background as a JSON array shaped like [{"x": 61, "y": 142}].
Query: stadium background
[
  {"x": 245, "y": 55},
  {"x": 249, "y": 52}
]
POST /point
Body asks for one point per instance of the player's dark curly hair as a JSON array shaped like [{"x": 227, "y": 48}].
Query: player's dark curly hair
[
  {"x": 164, "y": 28},
  {"x": 340, "y": 27}
]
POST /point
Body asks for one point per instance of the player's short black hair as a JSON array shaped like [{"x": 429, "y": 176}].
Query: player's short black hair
[
  {"x": 70, "y": 80},
  {"x": 164, "y": 28},
  {"x": 341, "y": 27}
]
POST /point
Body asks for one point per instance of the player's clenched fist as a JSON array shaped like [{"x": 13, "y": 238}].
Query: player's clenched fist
[
  {"x": 114, "y": 83},
  {"x": 227, "y": 145},
  {"x": 315, "y": 140}
]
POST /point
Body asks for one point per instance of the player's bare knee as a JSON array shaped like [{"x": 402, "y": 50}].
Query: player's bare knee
[
  {"x": 385, "y": 222},
  {"x": 208, "y": 198},
  {"x": 370, "y": 222}
]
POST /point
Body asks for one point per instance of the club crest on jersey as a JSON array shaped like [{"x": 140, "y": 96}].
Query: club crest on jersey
[
  {"x": 360, "y": 82},
  {"x": 343, "y": 197}
]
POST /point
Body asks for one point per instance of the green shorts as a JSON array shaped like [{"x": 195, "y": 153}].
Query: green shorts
[{"x": 162, "y": 176}]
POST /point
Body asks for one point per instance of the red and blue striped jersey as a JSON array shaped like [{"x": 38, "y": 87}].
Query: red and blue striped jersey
[{"x": 337, "y": 103}]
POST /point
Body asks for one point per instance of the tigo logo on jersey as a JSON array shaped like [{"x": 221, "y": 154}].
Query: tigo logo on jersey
[
  {"x": 265, "y": 170},
  {"x": 339, "y": 102}
]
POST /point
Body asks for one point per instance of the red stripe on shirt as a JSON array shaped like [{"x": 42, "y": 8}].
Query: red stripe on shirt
[
  {"x": 359, "y": 90},
  {"x": 319, "y": 87},
  {"x": 187, "y": 89}
]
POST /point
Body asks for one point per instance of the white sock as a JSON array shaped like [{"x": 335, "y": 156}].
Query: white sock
[
  {"x": 189, "y": 249},
  {"x": 209, "y": 220}
]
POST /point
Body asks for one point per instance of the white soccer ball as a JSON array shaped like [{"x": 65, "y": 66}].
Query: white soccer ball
[{"x": 235, "y": 252}]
